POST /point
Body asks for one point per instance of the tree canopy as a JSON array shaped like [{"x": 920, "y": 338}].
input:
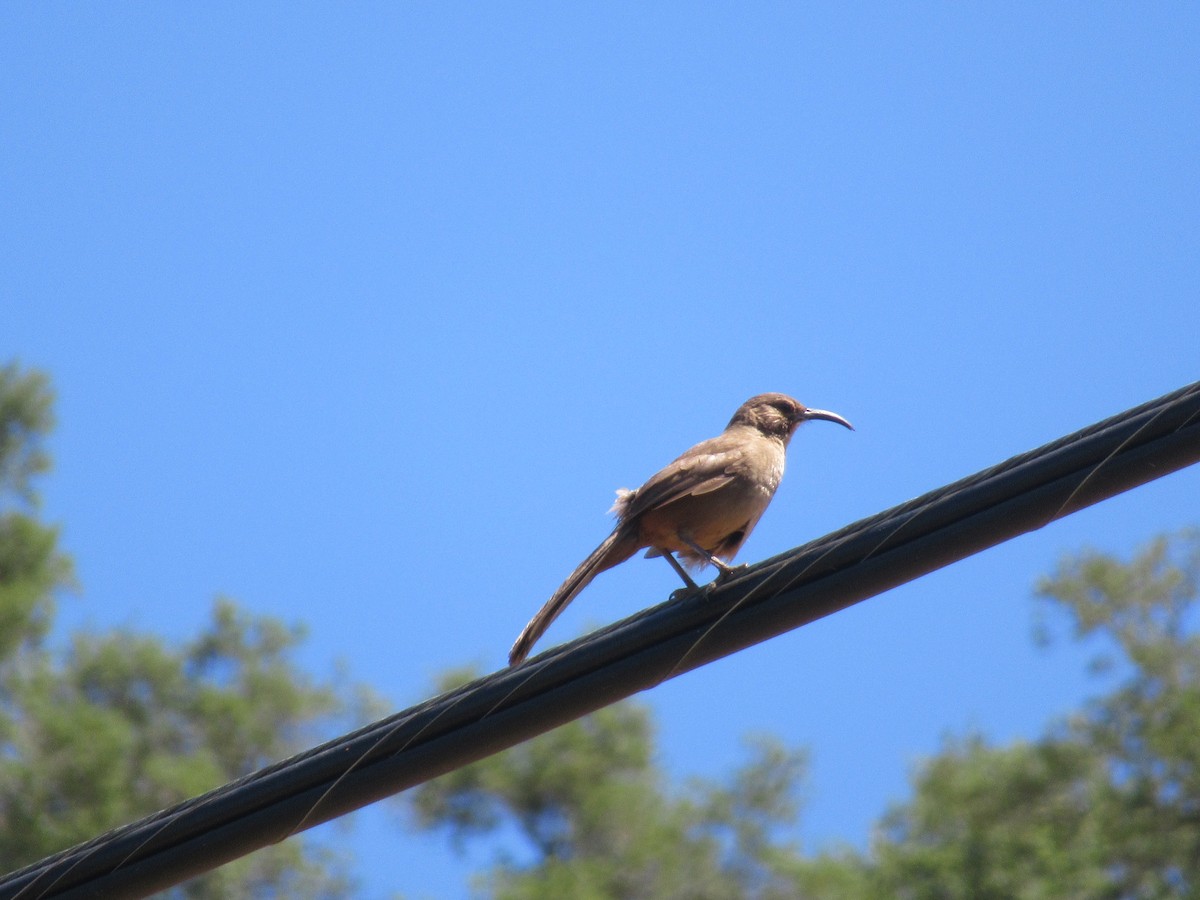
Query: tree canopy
[
  {"x": 116, "y": 725},
  {"x": 1105, "y": 804},
  {"x": 596, "y": 814},
  {"x": 102, "y": 727}
]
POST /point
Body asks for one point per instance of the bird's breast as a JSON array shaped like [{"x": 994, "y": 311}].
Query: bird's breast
[
  {"x": 761, "y": 468},
  {"x": 773, "y": 475}
]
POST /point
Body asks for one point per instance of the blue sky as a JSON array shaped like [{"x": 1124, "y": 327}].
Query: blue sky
[{"x": 359, "y": 314}]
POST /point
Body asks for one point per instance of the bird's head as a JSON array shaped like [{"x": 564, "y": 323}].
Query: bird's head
[{"x": 778, "y": 415}]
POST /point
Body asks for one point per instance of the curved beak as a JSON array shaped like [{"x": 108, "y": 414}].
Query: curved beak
[{"x": 827, "y": 416}]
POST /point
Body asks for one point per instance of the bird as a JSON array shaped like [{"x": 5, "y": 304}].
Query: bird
[{"x": 703, "y": 505}]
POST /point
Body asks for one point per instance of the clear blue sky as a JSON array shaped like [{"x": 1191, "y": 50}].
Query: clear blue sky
[{"x": 360, "y": 313}]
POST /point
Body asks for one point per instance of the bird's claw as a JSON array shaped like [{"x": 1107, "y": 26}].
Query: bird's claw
[
  {"x": 695, "y": 590},
  {"x": 727, "y": 572}
]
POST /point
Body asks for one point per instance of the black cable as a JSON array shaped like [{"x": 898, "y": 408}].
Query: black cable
[{"x": 512, "y": 705}]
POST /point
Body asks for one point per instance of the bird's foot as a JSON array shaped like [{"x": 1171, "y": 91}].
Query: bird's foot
[
  {"x": 725, "y": 572},
  {"x": 696, "y": 590}
]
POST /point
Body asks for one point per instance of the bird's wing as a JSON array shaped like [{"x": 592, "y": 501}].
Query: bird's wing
[{"x": 708, "y": 466}]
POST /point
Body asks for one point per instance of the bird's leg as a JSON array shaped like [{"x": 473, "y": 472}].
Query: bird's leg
[
  {"x": 724, "y": 570},
  {"x": 687, "y": 579}
]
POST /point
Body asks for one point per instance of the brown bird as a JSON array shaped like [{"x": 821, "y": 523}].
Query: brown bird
[{"x": 702, "y": 506}]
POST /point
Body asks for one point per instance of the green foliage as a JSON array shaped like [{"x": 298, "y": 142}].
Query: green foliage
[
  {"x": 26, "y": 417},
  {"x": 118, "y": 725},
  {"x": 603, "y": 823},
  {"x": 124, "y": 725},
  {"x": 987, "y": 822},
  {"x": 1106, "y": 805},
  {"x": 1146, "y": 731},
  {"x": 31, "y": 570},
  {"x": 31, "y": 567}
]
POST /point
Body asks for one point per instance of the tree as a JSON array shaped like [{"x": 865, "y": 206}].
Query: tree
[
  {"x": 603, "y": 823},
  {"x": 31, "y": 567},
  {"x": 1108, "y": 803},
  {"x": 118, "y": 725},
  {"x": 1105, "y": 805}
]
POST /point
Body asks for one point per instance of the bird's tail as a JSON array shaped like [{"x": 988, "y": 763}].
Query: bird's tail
[{"x": 616, "y": 548}]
